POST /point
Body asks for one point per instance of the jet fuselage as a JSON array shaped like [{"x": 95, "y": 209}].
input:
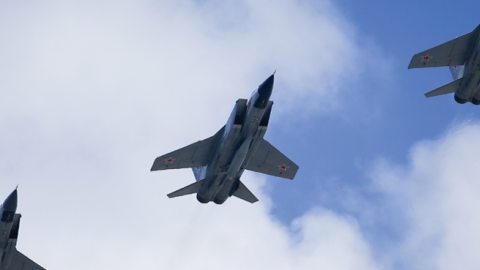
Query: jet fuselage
[
  {"x": 470, "y": 84},
  {"x": 218, "y": 161},
  {"x": 237, "y": 146}
]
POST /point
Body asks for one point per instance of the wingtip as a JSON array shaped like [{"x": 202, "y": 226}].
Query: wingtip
[{"x": 153, "y": 167}]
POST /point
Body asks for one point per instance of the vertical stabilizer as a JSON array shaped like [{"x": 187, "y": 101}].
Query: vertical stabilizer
[
  {"x": 457, "y": 71},
  {"x": 199, "y": 172}
]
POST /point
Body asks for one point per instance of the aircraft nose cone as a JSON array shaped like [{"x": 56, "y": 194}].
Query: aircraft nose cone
[
  {"x": 265, "y": 89},
  {"x": 10, "y": 204},
  {"x": 264, "y": 92}
]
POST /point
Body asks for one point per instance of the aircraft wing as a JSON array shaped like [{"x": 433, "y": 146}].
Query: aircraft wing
[
  {"x": 194, "y": 155},
  {"x": 269, "y": 160},
  {"x": 451, "y": 53},
  {"x": 22, "y": 262}
]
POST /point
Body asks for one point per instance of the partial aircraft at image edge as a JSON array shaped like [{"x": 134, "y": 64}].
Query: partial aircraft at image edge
[
  {"x": 218, "y": 162},
  {"x": 10, "y": 257},
  {"x": 461, "y": 55}
]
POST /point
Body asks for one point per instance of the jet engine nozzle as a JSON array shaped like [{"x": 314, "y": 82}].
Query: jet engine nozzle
[
  {"x": 459, "y": 99},
  {"x": 201, "y": 199},
  {"x": 475, "y": 101}
]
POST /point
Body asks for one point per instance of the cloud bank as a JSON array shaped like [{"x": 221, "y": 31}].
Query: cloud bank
[{"x": 438, "y": 192}]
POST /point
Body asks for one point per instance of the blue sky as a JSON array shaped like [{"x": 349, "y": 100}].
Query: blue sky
[
  {"x": 93, "y": 91},
  {"x": 343, "y": 150},
  {"x": 336, "y": 154}
]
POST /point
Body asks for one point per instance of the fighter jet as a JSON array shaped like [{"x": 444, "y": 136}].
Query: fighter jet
[
  {"x": 462, "y": 56},
  {"x": 218, "y": 162},
  {"x": 10, "y": 258}
]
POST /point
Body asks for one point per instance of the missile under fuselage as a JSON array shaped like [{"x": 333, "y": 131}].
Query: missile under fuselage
[{"x": 238, "y": 159}]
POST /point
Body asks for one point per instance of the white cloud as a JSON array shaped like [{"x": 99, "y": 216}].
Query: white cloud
[
  {"x": 93, "y": 91},
  {"x": 438, "y": 192}
]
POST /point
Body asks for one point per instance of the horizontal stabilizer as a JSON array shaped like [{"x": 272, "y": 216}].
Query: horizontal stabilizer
[
  {"x": 451, "y": 53},
  {"x": 21, "y": 262},
  {"x": 446, "y": 89},
  {"x": 190, "y": 189},
  {"x": 245, "y": 194}
]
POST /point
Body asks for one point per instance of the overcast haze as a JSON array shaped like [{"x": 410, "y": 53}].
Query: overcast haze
[{"x": 93, "y": 91}]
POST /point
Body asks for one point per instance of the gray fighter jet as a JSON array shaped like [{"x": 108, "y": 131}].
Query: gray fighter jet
[
  {"x": 10, "y": 258},
  {"x": 219, "y": 161},
  {"x": 462, "y": 56}
]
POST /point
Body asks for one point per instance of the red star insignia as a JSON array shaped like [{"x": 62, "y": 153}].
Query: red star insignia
[
  {"x": 170, "y": 160},
  {"x": 283, "y": 167},
  {"x": 249, "y": 104},
  {"x": 426, "y": 58},
  {"x": 455, "y": 67}
]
